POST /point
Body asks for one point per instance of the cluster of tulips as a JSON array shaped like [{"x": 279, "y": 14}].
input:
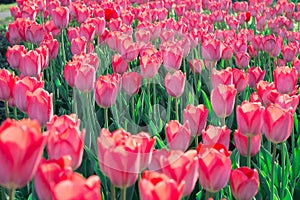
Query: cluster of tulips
[{"x": 164, "y": 99}]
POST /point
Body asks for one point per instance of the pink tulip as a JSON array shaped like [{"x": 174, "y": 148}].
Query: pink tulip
[
  {"x": 84, "y": 79},
  {"x": 60, "y": 16},
  {"x": 35, "y": 33},
  {"x": 197, "y": 117},
  {"x": 119, "y": 155},
  {"x": 242, "y": 60},
  {"x": 157, "y": 186},
  {"x": 255, "y": 75},
  {"x": 175, "y": 83},
  {"x": 222, "y": 100},
  {"x": 128, "y": 50},
  {"x": 288, "y": 102},
  {"x": 288, "y": 52},
  {"x": 178, "y": 136},
  {"x": 267, "y": 92},
  {"x": 40, "y": 106},
  {"x": 149, "y": 64},
  {"x": 213, "y": 135},
  {"x": 7, "y": 82},
  {"x": 142, "y": 36},
  {"x": 196, "y": 66},
  {"x": 214, "y": 167},
  {"x": 185, "y": 168},
  {"x": 70, "y": 71},
  {"x": 249, "y": 118},
  {"x": 14, "y": 55},
  {"x": 106, "y": 90},
  {"x": 119, "y": 65},
  {"x": 53, "y": 46},
  {"x": 172, "y": 57},
  {"x": 22, "y": 138},
  {"x": 241, "y": 143},
  {"x": 278, "y": 123},
  {"x": 285, "y": 79},
  {"x": 78, "y": 45},
  {"x": 44, "y": 52},
  {"x": 22, "y": 88},
  {"x": 31, "y": 64},
  {"x": 244, "y": 183},
  {"x": 240, "y": 79},
  {"x": 87, "y": 30},
  {"x": 211, "y": 50},
  {"x": 223, "y": 76},
  {"x": 131, "y": 83}
]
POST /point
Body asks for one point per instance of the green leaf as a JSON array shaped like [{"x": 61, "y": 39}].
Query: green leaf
[
  {"x": 199, "y": 195},
  {"x": 295, "y": 164},
  {"x": 288, "y": 195},
  {"x": 296, "y": 123},
  {"x": 207, "y": 103}
]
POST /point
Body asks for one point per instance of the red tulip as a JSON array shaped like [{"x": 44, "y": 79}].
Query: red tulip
[
  {"x": 119, "y": 156},
  {"x": 14, "y": 55},
  {"x": 185, "y": 168},
  {"x": 178, "y": 136},
  {"x": 7, "y": 82},
  {"x": 249, "y": 118},
  {"x": 40, "y": 107},
  {"x": 255, "y": 75},
  {"x": 285, "y": 79},
  {"x": 244, "y": 183},
  {"x": 222, "y": 100},
  {"x": 75, "y": 186},
  {"x": 22, "y": 88},
  {"x": 157, "y": 186},
  {"x": 214, "y": 167},
  {"x": 223, "y": 76},
  {"x": 31, "y": 63},
  {"x": 175, "y": 83},
  {"x": 213, "y": 135},
  {"x": 106, "y": 90},
  {"x": 197, "y": 117},
  {"x": 60, "y": 16},
  {"x": 22, "y": 138},
  {"x": 119, "y": 65},
  {"x": 110, "y": 14},
  {"x": 131, "y": 82},
  {"x": 241, "y": 143},
  {"x": 48, "y": 174},
  {"x": 278, "y": 123}
]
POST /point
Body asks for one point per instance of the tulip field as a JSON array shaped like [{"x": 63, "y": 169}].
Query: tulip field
[{"x": 151, "y": 100}]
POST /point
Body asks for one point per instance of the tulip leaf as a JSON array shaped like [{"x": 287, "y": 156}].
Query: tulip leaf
[
  {"x": 199, "y": 195},
  {"x": 207, "y": 103},
  {"x": 296, "y": 123},
  {"x": 234, "y": 158},
  {"x": 267, "y": 159},
  {"x": 288, "y": 195},
  {"x": 296, "y": 164}
]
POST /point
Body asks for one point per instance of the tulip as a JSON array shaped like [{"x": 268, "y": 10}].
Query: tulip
[
  {"x": 240, "y": 79},
  {"x": 119, "y": 156},
  {"x": 7, "y": 82},
  {"x": 49, "y": 173},
  {"x": 73, "y": 33},
  {"x": 241, "y": 143},
  {"x": 40, "y": 107},
  {"x": 68, "y": 142},
  {"x": 52, "y": 45},
  {"x": 242, "y": 60},
  {"x": 295, "y": 64},
  {"x": 288, "y": 53},
  {"x": 14, "y": 55},
  {"x": 155, "y": 163},
  {"x": 172, "y": 57},
  {"x": 44, "y": 52},
  {"x": 70, "y": 71},
  {"x": 128, "y": 50},
  {"x": 84, "y": 79},
  {"x": 196, "y": 66},
  {"x": 51, "y": 28},
  {"x": 87, "y": 31},
  {"x": 149, "y": 64},
  {"x": 131, "y": 82},
  {"x": 147, "y": 147},
  {"x": 223, "y": 76},
  {"x": 214, "y": 167},
  {"x": 82, "y": 13},
  {"x": 213, "y": 135},
  {"x": 211, "y": 50},
  {"x": 244, "y": 183},
  {"x": 277, "y": 124},
  {"x": 249, "y": 118},
  {"x": 197, "y": 117},
  {"x": 119, "y": 65},
  {"x": 22, "y": 88},
  {"x": 60, "y": 16},
  {"x": 22, "y": 138},
  {"x": 31, "y": 63},
  {"x": 185, "y": 168},
  {"x": 288, "y": 102},
  {"x": 99, "y": 24},
  {"x": 78, "y": 45},
  {"x": 255, "y": 75},
  {"x": 142, "y": 36},
  {"x": 267, "y": 92},
  {"x": 227, "y": 51},
  {"x": 154, "y": 185},
  {"x": 175, "y": 83},
  {"x": 222, "y": 100},
  {"x": 106, "y": 90},
  {"x": 285, "y": 79},
  {"x": 35, "y": 33},
  {"x": 75, "y": 186},
  {"x": 178, "y": 136}
]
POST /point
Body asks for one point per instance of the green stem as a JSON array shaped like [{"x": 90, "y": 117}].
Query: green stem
[
  {"x": 176, "y": 109},
  {"x": 223, "y": 122},
  {"x": 11, "y": 194},
  {"x": 112, "y": 192},
  {"x": 273, "y": 170},
  {"x": 75, "y": 110},
  {"x": 123, "y": 194},
  {"x": 132, "y": 109},
  {"x": 169, "y": 108},
  {"x": 52, "y": 83},
  {"x": 248, "y": 153},
  {"x": 6, "y": 109},
  {"x": 154, "y": 99},
  {"x": 282, "y": 170},
  {"x": 106, "y": 117},
  {"x": 63, "y": 46},
  {"x": 3, "y": 193},
  {"x": 15, "y": 113},
  {"x": 196, "y": 141},
  {"x": 270, "y": 68}
]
